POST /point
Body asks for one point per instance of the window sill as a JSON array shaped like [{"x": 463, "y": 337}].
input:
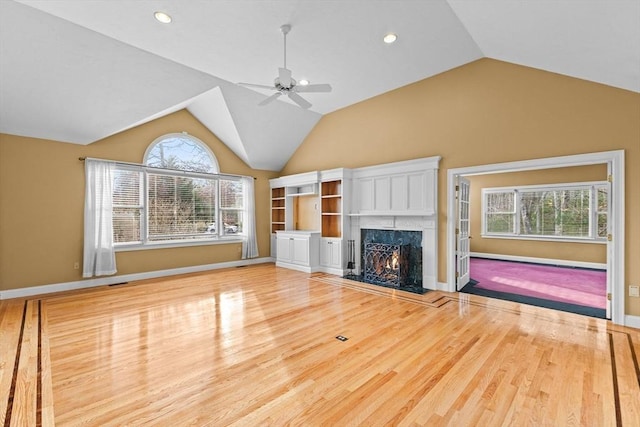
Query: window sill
[
  {"x": 176, "y": 244},
  {"x": 544, "y": 239}
]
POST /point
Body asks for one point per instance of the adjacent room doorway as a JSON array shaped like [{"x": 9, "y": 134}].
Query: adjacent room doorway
[{"x": 614, "y": 161}]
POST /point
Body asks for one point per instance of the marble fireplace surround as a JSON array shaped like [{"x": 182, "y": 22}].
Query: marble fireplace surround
[{"x": 424, "y": 224}]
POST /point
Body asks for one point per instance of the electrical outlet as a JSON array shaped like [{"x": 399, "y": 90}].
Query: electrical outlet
[
  {"x": 634, "y": 291},
  {"x": 76, "y": 265}
]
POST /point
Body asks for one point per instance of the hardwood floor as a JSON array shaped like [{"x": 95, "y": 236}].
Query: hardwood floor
[{"x": 257, "y": 346}]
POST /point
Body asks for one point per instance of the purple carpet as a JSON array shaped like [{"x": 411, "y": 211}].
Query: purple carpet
[{"x": 562, "y": 284}]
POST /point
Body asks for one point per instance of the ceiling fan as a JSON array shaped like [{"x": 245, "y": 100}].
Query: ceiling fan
[{"x": 284, "y": 84}]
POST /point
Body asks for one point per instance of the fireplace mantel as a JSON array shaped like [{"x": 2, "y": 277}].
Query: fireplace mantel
[{"x": 406, "y": 188}]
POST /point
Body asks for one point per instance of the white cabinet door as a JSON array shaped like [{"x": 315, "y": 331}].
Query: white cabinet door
[
  {"x": 300, "y": 251},
  {"x": 284, "y": 248},
  {"x": 325, "y": 251},
  {"x": 335, "y": 259},
  {"x": 274, "y": 246},
  {"x": 331, "y": 253}
]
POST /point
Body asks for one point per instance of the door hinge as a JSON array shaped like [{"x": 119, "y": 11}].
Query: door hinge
[
  {"x": 609, "y": 296},
  {"x": 457, "y": 188},
  {"x": 609, "y": 178},
  {"x": 457, "y": 231},
  {"x": 457, "y": 274},
  {"x": 609, "y": 237}
]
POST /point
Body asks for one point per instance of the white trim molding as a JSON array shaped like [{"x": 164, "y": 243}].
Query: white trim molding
[
  {"x": 632, "y": 321},
  {"x": 616, "y": 250},
  {"x": 111, "y": 280}
]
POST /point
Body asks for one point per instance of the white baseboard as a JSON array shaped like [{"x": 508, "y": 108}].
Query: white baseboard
[
  {"x": 101, "y": 281},
  {"x": 297, "y": 267},
  {"x": 549, "y": 261},
  {"x": 442, "y": 286},
  {"x": 632, "y": 321},
  {"x": 335, "y": 271}
]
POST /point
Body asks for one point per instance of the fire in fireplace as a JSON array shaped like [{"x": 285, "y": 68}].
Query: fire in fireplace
[{"x": 385, "y": 264}]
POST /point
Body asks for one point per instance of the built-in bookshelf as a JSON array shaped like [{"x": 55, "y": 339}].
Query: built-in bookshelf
[
  {"x": 331, "y": 198},
  {"x": 278, "y": 204}
]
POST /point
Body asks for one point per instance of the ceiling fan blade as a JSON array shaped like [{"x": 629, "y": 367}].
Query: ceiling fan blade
[
  {"x": 314, "y": 88},
  {"x": 258, "y": 86},
  {"x": 284, "y": 76},
  {"x": 303, "y": 103},
  {"x": 270, "y": 99}
]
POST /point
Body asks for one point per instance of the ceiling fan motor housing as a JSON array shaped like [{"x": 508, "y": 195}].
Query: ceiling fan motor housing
[{"x": 281, "y": 87}]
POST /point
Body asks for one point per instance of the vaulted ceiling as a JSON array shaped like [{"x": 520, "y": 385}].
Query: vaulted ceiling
[{"x": 80, "y": 71}]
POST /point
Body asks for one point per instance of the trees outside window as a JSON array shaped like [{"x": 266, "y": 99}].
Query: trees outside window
[
  {"x": 560, "y": 211},
  {"x": 175, "y": 197}
]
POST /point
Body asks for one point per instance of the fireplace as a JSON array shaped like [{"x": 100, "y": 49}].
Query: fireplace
[{"x": 392, "y": 258}]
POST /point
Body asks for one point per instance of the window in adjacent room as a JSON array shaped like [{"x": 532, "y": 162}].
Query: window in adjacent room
[
  {"x": 177, "y": 196},
  {"x": 561, "y": 211}
]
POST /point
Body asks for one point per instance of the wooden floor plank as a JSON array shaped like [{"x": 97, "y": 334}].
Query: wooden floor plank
[
  {"x": 257, "y": 346},
  {"x": 47, "y": 408},
  {"x": 25, "y": 397},
  {"x": 11, "y": 318},
  {"x": 627, "y": 381}
]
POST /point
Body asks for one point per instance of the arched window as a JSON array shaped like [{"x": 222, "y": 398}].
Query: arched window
[
  {"x": 181, "y": 151},
  {"x": 184, "y": 201}
]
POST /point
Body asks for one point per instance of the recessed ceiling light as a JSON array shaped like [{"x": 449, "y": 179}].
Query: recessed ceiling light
[
  {"x": 390, "y": 38},
  {"x": 162, "y": 17},
  {"x": 303, "y": 82}
]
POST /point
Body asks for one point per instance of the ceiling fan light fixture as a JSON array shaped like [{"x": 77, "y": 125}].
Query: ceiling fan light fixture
[
  {"x": 390, "y": 38},
  {"x": 163, "y": 17},
  {"x": 284, "y": 84}
]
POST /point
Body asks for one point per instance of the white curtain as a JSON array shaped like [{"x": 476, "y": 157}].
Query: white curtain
[
  {"x": 250, "y": 242},
  {"x": 99, "y": 256}
]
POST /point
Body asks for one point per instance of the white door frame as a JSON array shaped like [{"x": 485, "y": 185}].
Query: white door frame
[{"x": 616, "y": 256}]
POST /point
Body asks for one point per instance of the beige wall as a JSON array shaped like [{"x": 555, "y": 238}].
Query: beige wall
[
  {"x": 42, "y": 199},
  {"x": 586, "y": 252},
  {"x": 483, "y": 113},
  {"x": 305, "y": 213}
]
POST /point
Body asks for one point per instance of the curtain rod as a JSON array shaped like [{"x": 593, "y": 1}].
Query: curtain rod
[{"x": 140, "y": 165}]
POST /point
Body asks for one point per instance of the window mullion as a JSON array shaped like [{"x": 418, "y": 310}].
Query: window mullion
[
  {"x": 593, "y": 212},
  {"x": 219, "y": 226},
  {"x": 144, "y": 231},
  {"x": 517, "y": 205}
]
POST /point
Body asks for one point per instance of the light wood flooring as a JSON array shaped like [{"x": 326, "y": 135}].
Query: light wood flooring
[{"x": 256, "y": 346}]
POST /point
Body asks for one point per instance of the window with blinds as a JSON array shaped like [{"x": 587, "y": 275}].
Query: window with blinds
[
  {"x": 176, "y": 197},
  {"x": 564, "y": 211},
  {"x": 231, "y": 205},
  {"x": 127, "y": 206}
]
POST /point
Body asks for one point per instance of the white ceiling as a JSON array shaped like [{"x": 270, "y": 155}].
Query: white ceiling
[{"x": 79, "y": 71}]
